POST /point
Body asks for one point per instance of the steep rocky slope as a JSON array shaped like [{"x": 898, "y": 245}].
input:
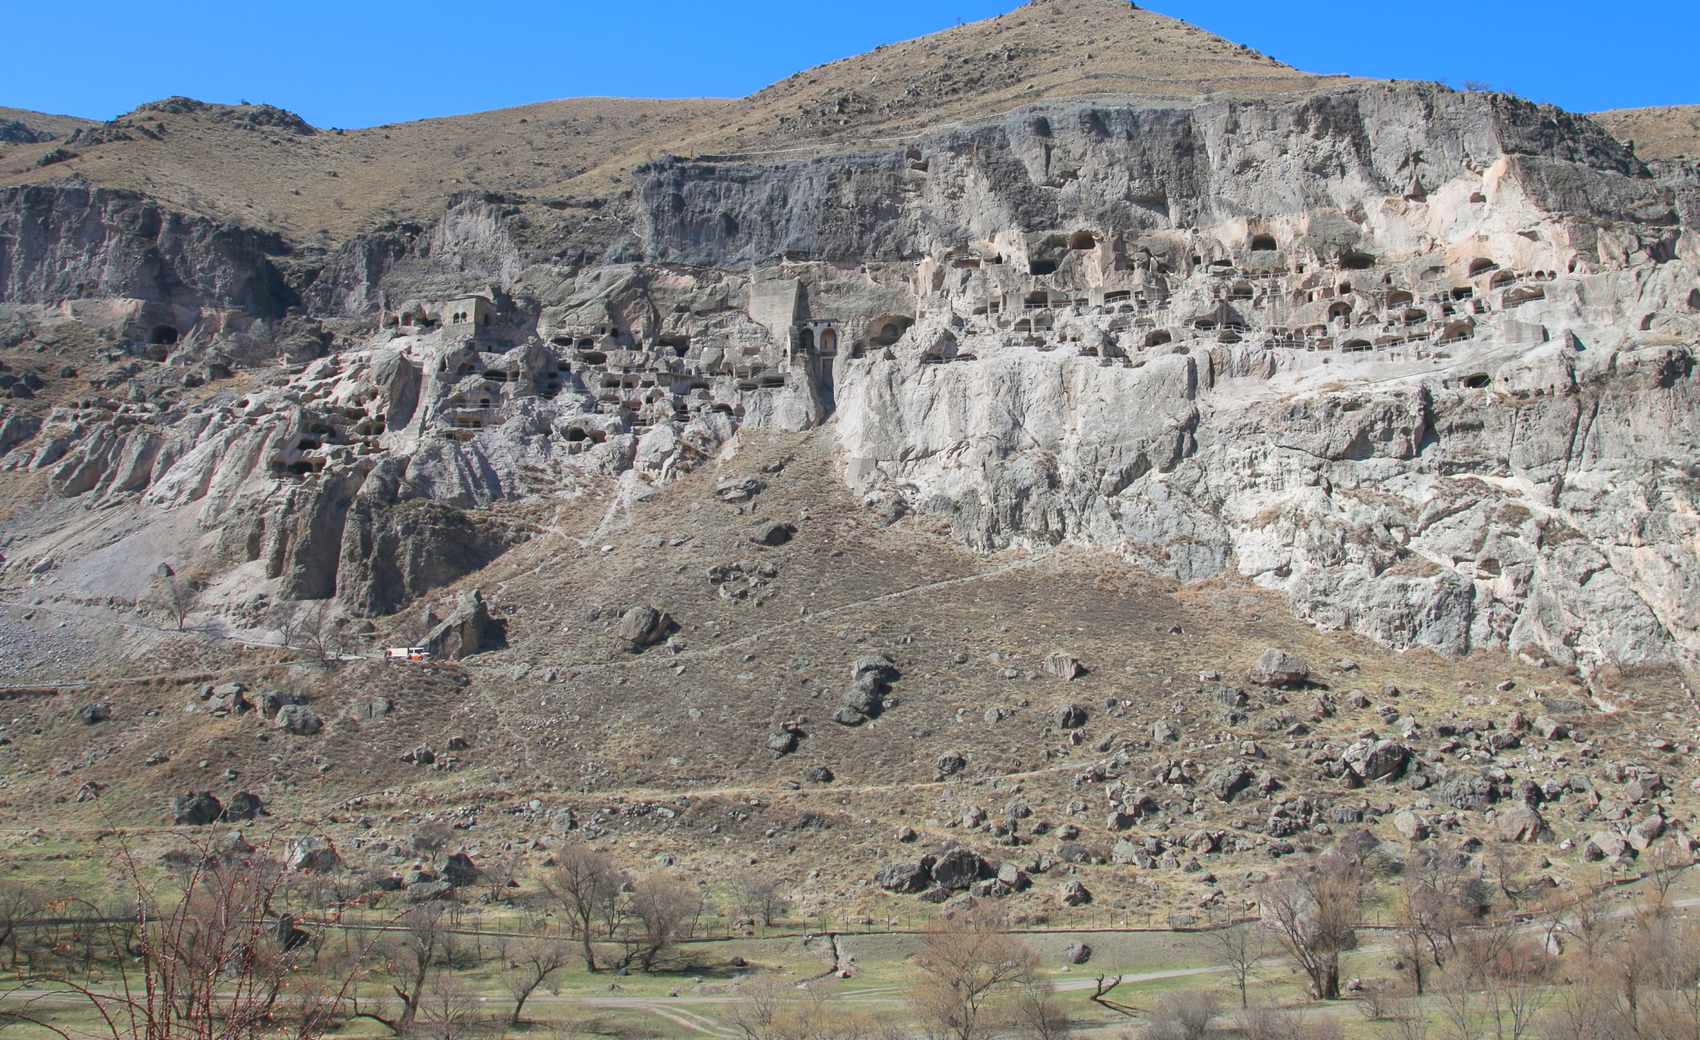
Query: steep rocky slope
[{"x": 1418, "y": 364}]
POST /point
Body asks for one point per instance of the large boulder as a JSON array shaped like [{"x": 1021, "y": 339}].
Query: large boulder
[
  {"x": 460, "y": 871},
  {"x": 1228, "y": 781},
  {"x": 312, "y": 854},
  {"x": 866, "y": 696},
  {"x": 1410, "y": 826},
  {"x": 245, "y": 806},
  {"x": 772, "y": 534},
  {"x": 1280, "y": 669},
  {"x": 94, "y": 714},
  {"x": 1375, "y": 760},
  {"x": 957, "y": 869},
  {"x": 1521, "y": 824},
  {"x": 642, "y": 627},
  {"x": 1072, "y": 716},
  {"x": 468, "y": 631},
  {"x": 429, "y": 892},
  {"x": 879, "y": 666},
  {"x": 299, "y": 720},
  {"x": 195, "y": 809},
  {"x": 949, "y": 764},
  {"x": 273, "y": 701},
  {"x": 1063, "y": 666},
  {"x": 904, "y": 878},
  {"x": 1605, "y": 845}
]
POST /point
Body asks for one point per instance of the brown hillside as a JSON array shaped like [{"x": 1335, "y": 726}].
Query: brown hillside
[
  {"x": 1659, "y": 133},
  {"x": 234, "y": 163}
]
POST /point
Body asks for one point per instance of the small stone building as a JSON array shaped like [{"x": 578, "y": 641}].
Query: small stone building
[{"x": 469, "y": 310}]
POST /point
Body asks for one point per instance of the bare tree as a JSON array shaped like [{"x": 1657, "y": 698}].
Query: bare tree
[
  {"x": 322, "y": 634},
  {"x": 1587, "y": 920},
  {"x": 1101, "y": 995},
  {"x": 205, "y": 964},
  {"x": 1410, "y": 1020},
  {"x": 1429, "y": 911},
  {"x": 1673, "y": 1009},
  {"x": 407, "y": 962},
  {"x": 498, "y": 875},
  {"x": 1665, "y": 863},
  {"x": 1376, "y": 1001},
  {"x": 1238, "y": 949},
  {"x": 449, "y": 1010},
  {"x": 772, "y": 1010},
  {"x": 18, "y": 904},
  {"x": 662, "y": 911},
  {"x": 431, "y": 839},
  {"x": 1313, "y": 911},
  {"x": 760, "y": 898},
  {"x": 534, "y": 965},
  {"x": 584, "y": 883},
  {"x": 1500, "y": 984},
  {"x": 1036, "y": 1013},
  {"x": 964, "y": 967}
]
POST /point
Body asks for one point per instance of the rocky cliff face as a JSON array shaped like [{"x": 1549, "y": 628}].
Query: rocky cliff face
[
  {"x": 72, "y": 243},
  {"x": 1131, "y": 168},
  {"x": 1424, "y": 361}
]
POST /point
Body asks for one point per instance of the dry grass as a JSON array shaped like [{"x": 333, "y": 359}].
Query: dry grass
[{"x": 1659, "y": 133}]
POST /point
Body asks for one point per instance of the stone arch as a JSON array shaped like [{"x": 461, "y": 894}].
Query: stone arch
[
  {"x": 1264, "y": 244},
  {"x": 829, "y": 341},
  {"x": 1354, "y": 260},
  {"x": 1482, "y": 265},
  {"x": 164, "y": 336}
]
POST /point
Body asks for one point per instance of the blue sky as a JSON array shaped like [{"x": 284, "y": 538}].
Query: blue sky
[{"x": 365, "y": 62}]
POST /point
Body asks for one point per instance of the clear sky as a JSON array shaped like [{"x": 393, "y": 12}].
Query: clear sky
[{"x": 363, "y": 62}]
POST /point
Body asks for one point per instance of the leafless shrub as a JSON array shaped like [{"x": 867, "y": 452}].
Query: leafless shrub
[{"x": 1183, "y": 1015}]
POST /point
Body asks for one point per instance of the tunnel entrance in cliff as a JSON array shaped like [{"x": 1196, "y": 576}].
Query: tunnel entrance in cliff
[{"x": 163, "y": 336}]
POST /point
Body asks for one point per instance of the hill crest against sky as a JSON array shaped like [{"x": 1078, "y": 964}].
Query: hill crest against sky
[{"x": 382, "y": 66}]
